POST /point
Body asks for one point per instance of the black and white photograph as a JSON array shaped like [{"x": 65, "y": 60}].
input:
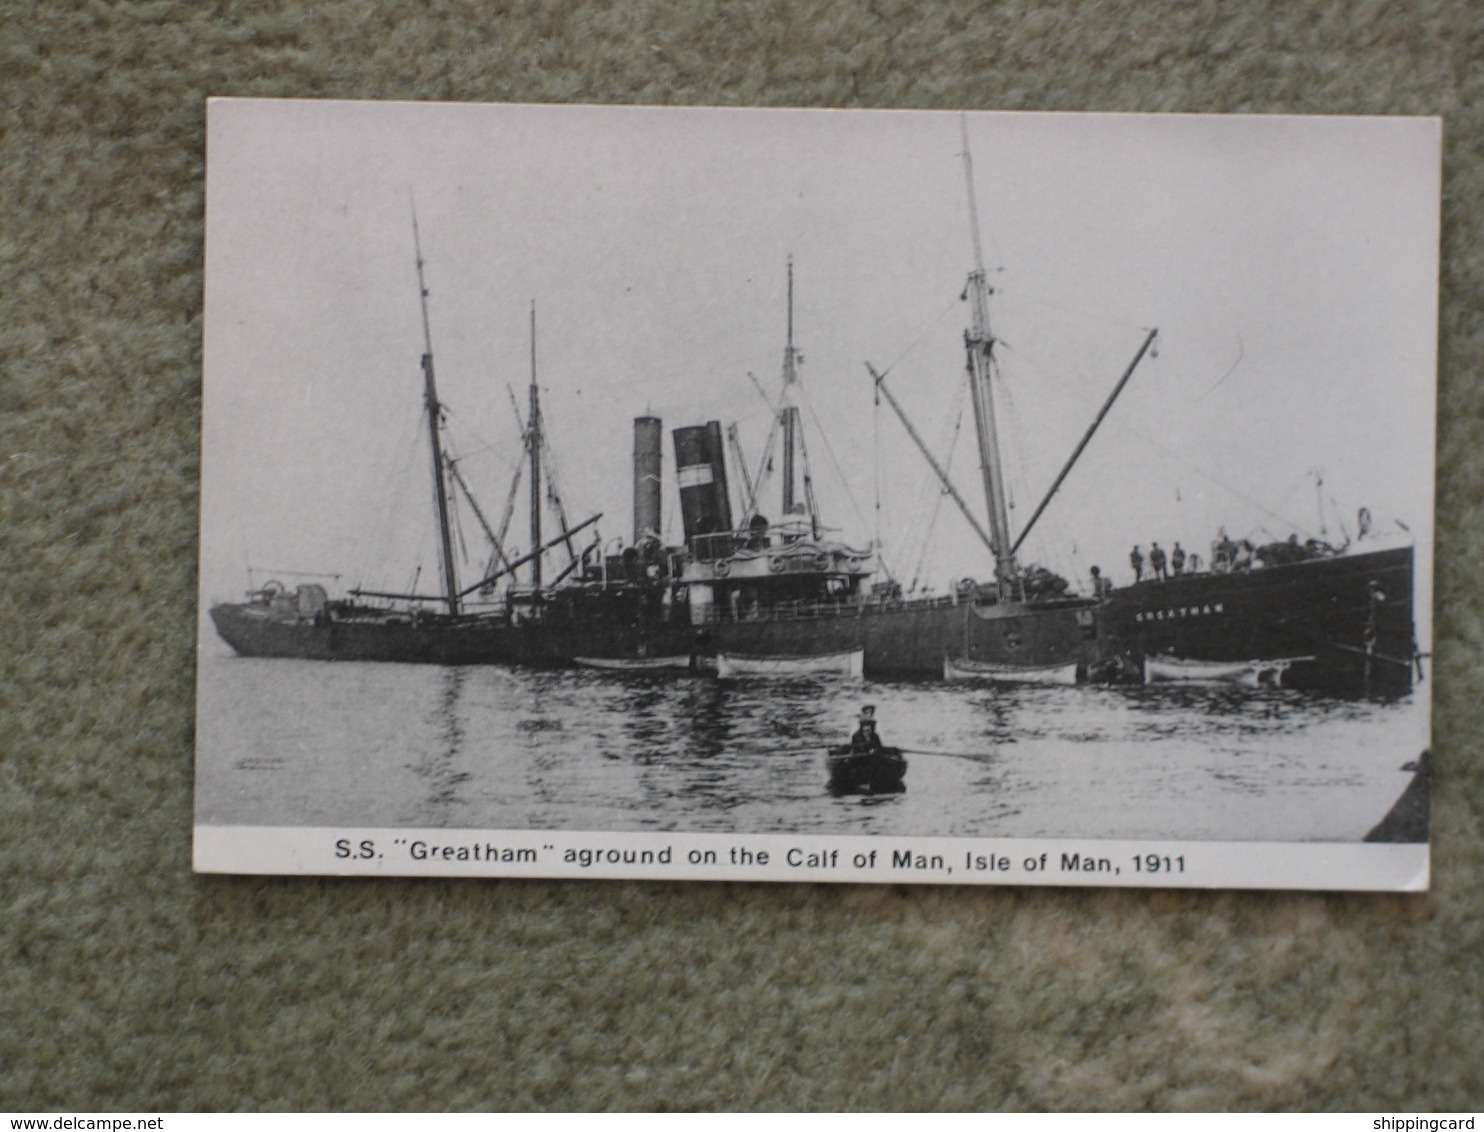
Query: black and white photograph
[{"x": 817, "y": 495}]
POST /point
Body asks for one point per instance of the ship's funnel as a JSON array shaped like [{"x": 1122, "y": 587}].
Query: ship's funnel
[
  {"x": 648, "y": 465},
  {"x": 705, "y": 508}
]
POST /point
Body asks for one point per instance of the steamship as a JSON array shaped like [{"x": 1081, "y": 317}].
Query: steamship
[
  {"x": 1306, "y": 616},
  {"x": 781, "y": 591}
]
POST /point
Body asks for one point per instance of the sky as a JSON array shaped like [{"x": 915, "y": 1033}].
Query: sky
[{"x": 1289, "y": 264}]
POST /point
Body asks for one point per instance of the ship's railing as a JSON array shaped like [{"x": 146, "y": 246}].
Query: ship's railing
[
  {"x": 935, "y": 602},
  {"x": 820, "y": 610}
]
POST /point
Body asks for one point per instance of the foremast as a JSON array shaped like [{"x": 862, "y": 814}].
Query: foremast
[
  {"x": 979, "y": 343},
  {"x": 787, "y": 423},
  {"x": 533, "y": 440},
  {"x": 435, "y": 415},
  {"x": 789, "y": 414}
]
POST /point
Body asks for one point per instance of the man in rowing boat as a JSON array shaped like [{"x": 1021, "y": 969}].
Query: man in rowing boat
[{"x": 865, "y": 737}]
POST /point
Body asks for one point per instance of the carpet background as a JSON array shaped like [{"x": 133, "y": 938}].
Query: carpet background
[{"x": 128, "y": 983}]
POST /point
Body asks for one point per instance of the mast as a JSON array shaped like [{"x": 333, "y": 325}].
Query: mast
[
  {"x": 938, "y": 469},
  {"x": 534, "y": 441},
  {"x": 979, "y": 344},
  {"x": 749, "y": 489},
  {"x": 489, "y": 533},
  {"x": 1086, "y": 438},
  {"x": 435, "y": 410},
  {"x": 531, "y": 556},
  {"x": 789, "y": 415}
]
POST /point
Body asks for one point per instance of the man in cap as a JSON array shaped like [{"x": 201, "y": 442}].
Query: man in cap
[
  {"x": 865, "y": 737},
  {"x": 1101, "y": 586},
  {"x": 1157, "y": 562}
]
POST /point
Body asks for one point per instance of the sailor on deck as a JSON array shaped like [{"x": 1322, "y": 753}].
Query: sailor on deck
[
  {"x": 865, "y": 737},
  {"x": 1101, "y": 586},
  {"x": 1136, "y": 560},
  {"x": 1223, "y": 552}
]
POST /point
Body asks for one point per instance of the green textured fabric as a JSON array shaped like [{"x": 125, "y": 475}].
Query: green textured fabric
[{"x": 128, "y": 983}]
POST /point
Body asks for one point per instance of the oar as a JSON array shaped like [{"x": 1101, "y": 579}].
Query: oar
[{"x": 977, "y": 756}]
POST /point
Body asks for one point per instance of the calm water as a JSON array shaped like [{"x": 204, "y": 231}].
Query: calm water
[{"x": 283, "y": 742}]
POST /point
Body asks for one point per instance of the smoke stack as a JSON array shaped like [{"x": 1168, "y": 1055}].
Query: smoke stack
[
  {"x": 705, "y": 508},
  {"x": 648, "y": 466}
]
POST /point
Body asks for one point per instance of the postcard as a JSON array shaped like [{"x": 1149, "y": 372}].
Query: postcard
[{"x": 817, "y": 495}]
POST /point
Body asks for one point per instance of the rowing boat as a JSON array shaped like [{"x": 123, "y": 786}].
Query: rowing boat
[
  {"x": 1247, "y": 673},
  {"x": 962, "y": 669},
  {"x": 851, "y": 664},
  {"x": 879, "y": 771}
]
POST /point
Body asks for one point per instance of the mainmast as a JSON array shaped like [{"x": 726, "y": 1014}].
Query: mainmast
[
  {"x": 979, "y": 343},
  {"x": 789, "y": 414},
  {"x": 534, "y": 442},
  {"x": 792, "y": 427},
  {"x": 435, "y": 412}
]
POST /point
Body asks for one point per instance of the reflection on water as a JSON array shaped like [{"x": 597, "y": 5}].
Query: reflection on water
[
  {"x": 300, "y": 743},
  {"x": 440, "y": 764}
]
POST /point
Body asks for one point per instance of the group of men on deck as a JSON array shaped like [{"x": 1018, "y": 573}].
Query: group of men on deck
[
  {"x": 1228, "y": 556},
  {"x": 1160, "y": 566}
]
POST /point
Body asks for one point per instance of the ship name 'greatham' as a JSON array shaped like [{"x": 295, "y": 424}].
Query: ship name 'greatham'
[
  {"x": 422, "y": 851},
  {"x": 1182, "y": 611}
]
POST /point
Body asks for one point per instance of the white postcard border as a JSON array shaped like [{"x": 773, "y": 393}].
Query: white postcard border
[
  {"x": 871, "y": 859},
  {"x": 328, "y": 296}
]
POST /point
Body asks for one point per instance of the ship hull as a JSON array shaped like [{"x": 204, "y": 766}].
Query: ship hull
[
  {"x": 904, "y": 639},
  {"x": 1348, "y": 617},
  {"x": 254, "y": 631}
]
